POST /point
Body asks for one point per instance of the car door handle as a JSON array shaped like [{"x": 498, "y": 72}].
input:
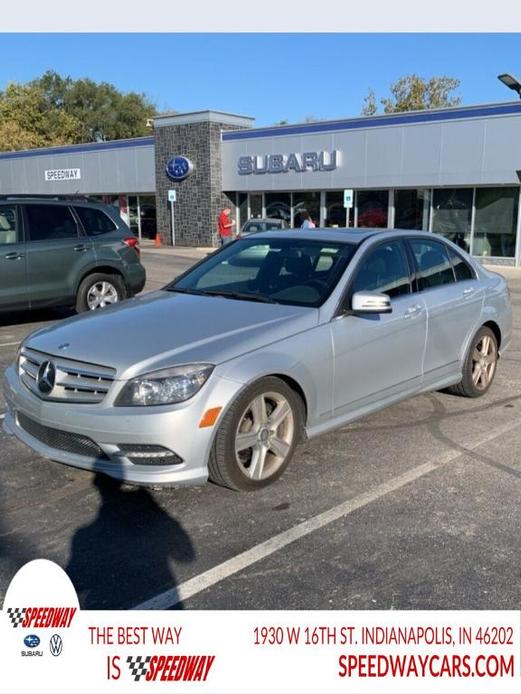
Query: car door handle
[
  {"x": 412, "y": 311},
  {"x": 468, "y": 292},
  {"x": 14, "y": 256},
  {"x": 80, "y": 248}
]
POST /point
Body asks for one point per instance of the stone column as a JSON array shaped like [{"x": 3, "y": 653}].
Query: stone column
[{"x": 199, "y": 197}]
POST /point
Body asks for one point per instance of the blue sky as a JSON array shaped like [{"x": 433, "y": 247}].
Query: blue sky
[{"x": 268, "y": 76}]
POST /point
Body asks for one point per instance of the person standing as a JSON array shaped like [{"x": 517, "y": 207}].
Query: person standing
[
  {"x": 307, "y": 223},
  {"x": 225, "y": 226}
]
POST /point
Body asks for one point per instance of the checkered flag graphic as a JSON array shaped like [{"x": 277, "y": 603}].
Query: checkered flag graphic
[
  {"x": 16, "y": 615},
  {"x": 138, "y": 666}
]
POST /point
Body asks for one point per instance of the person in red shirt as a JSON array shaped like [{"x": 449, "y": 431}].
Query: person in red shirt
[{"x": 225, "y": 226}]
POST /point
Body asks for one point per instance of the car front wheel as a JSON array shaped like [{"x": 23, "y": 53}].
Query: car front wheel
[
  {"x": 257, "y": 437},
  {"x": 99, "y": 290}
]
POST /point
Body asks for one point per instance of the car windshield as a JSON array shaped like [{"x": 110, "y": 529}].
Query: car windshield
[
  {"x": 292, "y": 271},
  {"x": 267, "y": 225}
]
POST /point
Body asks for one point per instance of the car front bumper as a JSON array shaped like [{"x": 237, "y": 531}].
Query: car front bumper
[{"x": 175, "y": 428}]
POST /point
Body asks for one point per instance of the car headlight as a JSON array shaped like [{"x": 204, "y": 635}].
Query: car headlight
[
  {"x": 18, "y": 356},
  {"x": 164, "y": 387}
]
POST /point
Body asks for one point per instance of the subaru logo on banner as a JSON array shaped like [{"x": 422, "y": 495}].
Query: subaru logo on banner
[
  {"x": 32, "y": 641},
  {"x": 56, "y": 644}
]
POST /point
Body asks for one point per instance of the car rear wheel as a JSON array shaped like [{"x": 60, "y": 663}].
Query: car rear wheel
[
  {"x": 480, "y": 365},
  {"x": 257, "y": 436},
  {"x": 99, "y": 290}
]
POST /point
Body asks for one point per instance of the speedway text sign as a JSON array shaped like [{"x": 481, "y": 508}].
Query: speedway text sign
[{"x": 62, "y": 174}]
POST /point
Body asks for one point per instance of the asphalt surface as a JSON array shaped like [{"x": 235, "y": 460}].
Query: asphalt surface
[{"x": 415, "y": 507}]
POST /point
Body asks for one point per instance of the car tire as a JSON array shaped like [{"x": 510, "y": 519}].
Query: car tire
[
  {"x": 479, "y": 367},
  {"x": 99, "y": 290},
  {"x": 250, "y": 416}
]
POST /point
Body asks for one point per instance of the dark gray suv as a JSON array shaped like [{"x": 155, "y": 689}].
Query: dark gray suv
[{"x": 65, "y": 253}]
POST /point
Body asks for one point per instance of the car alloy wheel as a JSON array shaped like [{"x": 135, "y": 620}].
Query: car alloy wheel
[
  {"x": 484, "y": 361},
  {"x": 264, "y": 436},
  {"x": 101, "y": 294}
]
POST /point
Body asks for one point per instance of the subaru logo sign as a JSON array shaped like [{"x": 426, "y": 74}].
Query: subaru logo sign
[
  {"x": 31, "y": 641},
  {"x": 179, "y": 168},
  {"x": 46, "y": 377},
  {"x": 56, "y": 644}
]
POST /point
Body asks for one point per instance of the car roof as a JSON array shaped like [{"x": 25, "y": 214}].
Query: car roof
[
  {"x": 255, "y": 220},
  {"x": 340, "y": 234},
  {"x": 73, "y": 200}
]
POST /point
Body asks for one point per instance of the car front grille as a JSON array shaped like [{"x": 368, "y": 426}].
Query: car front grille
[
  {"x": 61, "y": 440},
  {"x": 75, "y": 381}
]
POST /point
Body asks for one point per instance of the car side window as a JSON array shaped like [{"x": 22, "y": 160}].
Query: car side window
[
  {"x": 433, "y": 265},
  {"x": 95, "y": 222},
  {"x": 384, "y": 270},
  {"x": 462, "y": 270},
  {"x": 50, "y": 223},
  {"x": 8, "y": 225}
]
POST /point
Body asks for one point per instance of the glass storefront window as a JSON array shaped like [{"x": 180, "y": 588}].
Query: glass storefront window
[
  {"x": 452, "y": 214},
  {"x": 255, "y": 205},
  {"x": 242, "y": 209},
  {"x": 306, "y": 202},
  {"x": 147, "y": 216},
  {"x": 495, "y": 222},
  {"x": 133, "y": 214},
  {"x": 373, "y": 208},
  {"x": 336, "y": 213},
  {"x": 278, "y": 206},
  {"x": 411, "y": 209}
]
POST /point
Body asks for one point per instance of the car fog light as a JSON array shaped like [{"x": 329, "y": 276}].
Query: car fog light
[{"x": 141, "y": 454}]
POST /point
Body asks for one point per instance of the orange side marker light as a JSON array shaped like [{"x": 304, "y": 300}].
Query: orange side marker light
[{"x": 209, "y": 417}]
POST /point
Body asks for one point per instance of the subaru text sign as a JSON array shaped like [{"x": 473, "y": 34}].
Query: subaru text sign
[
  {"x": 62, "y": 174},
  {"x": 284, "y": 163}
]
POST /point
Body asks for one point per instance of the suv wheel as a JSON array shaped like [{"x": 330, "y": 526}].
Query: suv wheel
[
  {"x": 99, "y": 290},
  {"x": 257, "y": 436},
  {"x": 480, "y": 364}
]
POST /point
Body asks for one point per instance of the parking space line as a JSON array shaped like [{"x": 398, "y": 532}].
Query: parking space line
[
  {"x": 9, "y": 344},
  {"x": 207, "y": 579}
]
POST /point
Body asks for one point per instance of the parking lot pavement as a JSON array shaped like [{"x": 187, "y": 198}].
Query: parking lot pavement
[{"x": 416, "y": 506}]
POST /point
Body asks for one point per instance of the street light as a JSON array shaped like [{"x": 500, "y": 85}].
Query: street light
[{"x": 511, "y": 82}]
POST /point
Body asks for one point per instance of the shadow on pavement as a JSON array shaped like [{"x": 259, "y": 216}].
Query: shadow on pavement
[{"x": 126, "y": 554}]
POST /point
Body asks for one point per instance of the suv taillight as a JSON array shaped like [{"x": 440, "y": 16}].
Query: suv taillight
[{"x": 132, "y": 242}]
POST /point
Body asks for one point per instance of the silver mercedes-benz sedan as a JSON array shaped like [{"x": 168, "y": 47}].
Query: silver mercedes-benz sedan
[{"x": 274, "y": 338}]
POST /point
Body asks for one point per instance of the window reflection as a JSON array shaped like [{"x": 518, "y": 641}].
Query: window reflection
[
  {"x": 373, "y": 206},
  {"x": 452, "y": 214},
  {"x": 495, "y": 222}
]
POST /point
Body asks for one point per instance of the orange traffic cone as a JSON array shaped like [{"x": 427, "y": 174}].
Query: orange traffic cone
[{"x": 157, "y": 240}]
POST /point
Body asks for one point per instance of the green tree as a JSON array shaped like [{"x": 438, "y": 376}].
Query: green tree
[
  {"x": 415, "y": 93},
  {"x": 26, "y": 120},
  {"x": 53, "y": 110}
]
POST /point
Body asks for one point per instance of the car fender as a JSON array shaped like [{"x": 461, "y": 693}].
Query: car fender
[
  {"x": 252, "y": 367},
  {"x": 95, "y": 266}
]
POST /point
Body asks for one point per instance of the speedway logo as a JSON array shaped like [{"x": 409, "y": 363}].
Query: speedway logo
[
  {"x": 41, "y": 617},
  {"x": 170, "y": 668}
]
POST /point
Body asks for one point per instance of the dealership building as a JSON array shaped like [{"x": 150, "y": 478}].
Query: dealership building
[{"x": 454, "y": 171}]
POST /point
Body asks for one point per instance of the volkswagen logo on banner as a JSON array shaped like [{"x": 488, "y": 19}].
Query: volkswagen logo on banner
[
  {"x": 46, "y": 377},
  {"x": 56, "y": 644},
  {"x": 179, "y": 168}
]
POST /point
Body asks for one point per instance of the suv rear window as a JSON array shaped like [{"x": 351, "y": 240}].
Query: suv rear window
[
  {"x": 95, "y": 222},
  {"x": 50, "y": 223}
]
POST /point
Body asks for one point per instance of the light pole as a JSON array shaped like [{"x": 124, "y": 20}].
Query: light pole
[{"x": 511, "y": 82}]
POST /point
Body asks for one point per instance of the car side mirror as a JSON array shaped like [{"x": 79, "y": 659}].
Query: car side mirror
[{"x": 370, "y": 302}]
